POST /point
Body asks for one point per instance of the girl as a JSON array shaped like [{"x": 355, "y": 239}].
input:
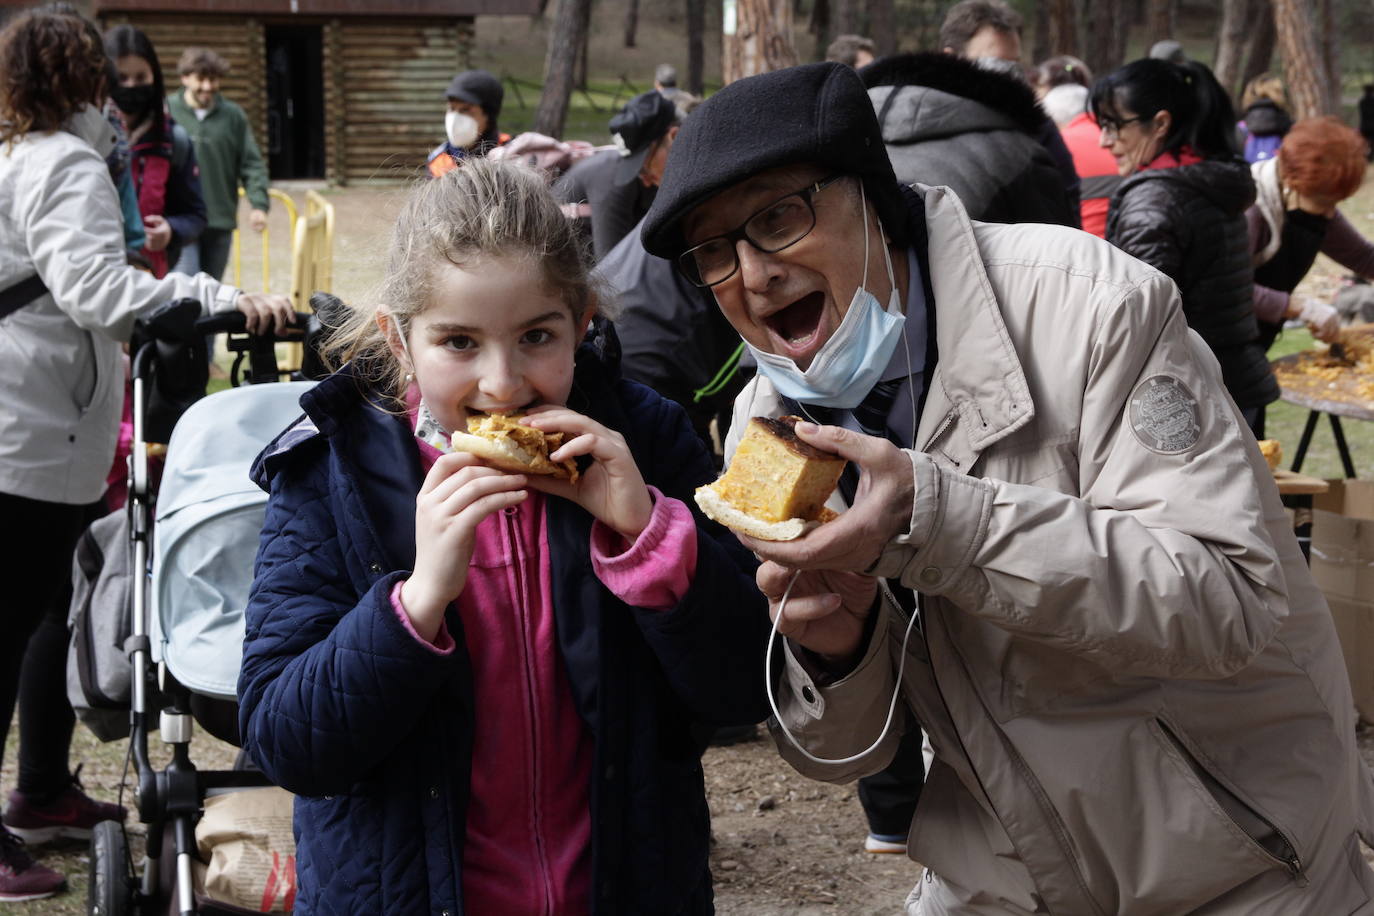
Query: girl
[
  {"x": 162, "y": 163},
  {"x": 1181, "y": 207},
  {"x": 486, "y": 688}
]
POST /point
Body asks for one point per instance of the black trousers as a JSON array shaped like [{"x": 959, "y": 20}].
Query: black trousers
[
  {"x": 37, "y": 571},
  {"x": 889, "y": 798}
]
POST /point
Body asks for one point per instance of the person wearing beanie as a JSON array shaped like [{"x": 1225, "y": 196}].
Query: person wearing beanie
[
  {"x": 474, "y": 103},
  {"x": 613, "y": 189},
  {"x": 1130, "y": 683}
]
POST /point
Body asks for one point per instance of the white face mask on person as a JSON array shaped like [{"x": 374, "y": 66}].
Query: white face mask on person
[
  {"x": 847, "y": 365},
  {"x": 461, "y": 129},
  {"x": 91, "y": 125}
]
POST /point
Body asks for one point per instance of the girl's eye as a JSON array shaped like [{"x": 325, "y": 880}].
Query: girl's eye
[
  {"x": 460, "y": 342},
  {"x": 538, "y": 336}
]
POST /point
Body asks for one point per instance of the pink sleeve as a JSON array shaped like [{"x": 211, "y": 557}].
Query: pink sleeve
[
  {"x": 655, "y": 571},
  {"x": 443, "y": 643}
]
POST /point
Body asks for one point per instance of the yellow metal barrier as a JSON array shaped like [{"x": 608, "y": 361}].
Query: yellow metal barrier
[
  {"x": 312, "y": 258},
  {"x": 290, "y": 205},
  {"x": 312, "y": 252}
]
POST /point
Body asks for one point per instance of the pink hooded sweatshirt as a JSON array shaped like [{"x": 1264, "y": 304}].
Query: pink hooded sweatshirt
[{"x": 528, "y": 831}]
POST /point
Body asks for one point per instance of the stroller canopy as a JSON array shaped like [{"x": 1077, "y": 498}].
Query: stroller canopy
[{"x": 205, "y": 535}]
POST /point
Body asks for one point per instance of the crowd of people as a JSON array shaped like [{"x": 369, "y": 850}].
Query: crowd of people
[{"x": 1060, "y": 632}]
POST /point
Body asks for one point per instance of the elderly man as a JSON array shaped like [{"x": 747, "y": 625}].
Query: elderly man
[{"x": 1133, "y": 689}]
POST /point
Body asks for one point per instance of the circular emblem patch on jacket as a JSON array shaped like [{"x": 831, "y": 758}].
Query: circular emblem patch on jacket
[{"x": 1164, "y": 415}]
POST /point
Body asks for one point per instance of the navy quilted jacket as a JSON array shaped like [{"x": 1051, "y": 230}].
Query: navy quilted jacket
[{"x": 373, "y": 732}]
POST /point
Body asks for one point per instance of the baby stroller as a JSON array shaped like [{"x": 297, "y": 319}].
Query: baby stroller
[{"x": 186, "y": 622}]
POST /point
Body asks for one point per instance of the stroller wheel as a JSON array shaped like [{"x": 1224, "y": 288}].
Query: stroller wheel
[{"x": 110, "y": 892}]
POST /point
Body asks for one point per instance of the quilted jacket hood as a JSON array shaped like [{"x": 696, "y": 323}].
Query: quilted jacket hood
[{"x": 1224, "y": 182}]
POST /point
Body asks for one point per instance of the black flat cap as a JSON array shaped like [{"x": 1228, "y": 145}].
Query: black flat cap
[
  {"x": 478, "y": 87},
  {"x": 815, "y": 113},
  {"x": 644, "y": 119}
]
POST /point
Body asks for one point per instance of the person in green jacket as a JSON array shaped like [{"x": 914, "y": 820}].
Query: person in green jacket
[{"x": 228, "y": 157}]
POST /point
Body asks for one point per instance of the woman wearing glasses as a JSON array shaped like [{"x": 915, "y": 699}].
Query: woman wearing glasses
[{"x": 1181, "y": 207}]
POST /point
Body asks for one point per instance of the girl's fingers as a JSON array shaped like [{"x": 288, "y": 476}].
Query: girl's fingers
[
  {"x": 588, "y": 444},
  {"x": 450, "y": 485},
  {"x": 444, "y": 468},
  {"x": 477, "y": 510},
  {"x": 478, "y": 487}
]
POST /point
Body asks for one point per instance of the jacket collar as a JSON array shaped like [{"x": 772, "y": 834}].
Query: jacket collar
[{"x": 979, "y": 383}]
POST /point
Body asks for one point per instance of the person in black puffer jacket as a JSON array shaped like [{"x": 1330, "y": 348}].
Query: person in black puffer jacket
[
  {"x": 948, "y": 121},
  {"x": 1182, "y": 207}
]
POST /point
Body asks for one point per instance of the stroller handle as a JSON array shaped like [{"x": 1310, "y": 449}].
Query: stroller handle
[{"x": 237, "y": 323}]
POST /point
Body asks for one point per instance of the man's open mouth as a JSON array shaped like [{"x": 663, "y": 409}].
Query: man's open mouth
[{"x": 798, "y": 323}]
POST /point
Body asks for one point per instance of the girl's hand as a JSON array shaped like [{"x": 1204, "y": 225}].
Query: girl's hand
[
  {"x": 611, "y": 489},
  {"x": 157, "y": 231},
  {"x": 456, "y": 495}
]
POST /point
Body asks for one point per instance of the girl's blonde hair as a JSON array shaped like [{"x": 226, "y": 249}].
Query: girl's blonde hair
[{"x": 484, "y": 209}]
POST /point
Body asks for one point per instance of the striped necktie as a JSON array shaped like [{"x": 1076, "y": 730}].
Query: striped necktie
[{"x": 871, "y": 414}]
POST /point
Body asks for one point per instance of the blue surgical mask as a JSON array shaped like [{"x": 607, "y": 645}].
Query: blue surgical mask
[{"x": 847, "y": 365}]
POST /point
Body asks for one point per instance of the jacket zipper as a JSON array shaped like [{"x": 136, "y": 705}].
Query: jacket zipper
[
  {"x": 1289, "y": 858},
  {"x": 511, "y": 525}
]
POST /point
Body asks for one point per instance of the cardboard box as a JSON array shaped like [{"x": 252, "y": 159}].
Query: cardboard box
[{"x": 1343, "y": 567}]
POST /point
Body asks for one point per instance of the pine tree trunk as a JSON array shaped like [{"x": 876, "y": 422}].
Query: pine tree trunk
[
  {"x": 1106, "y": 29},
  {"x": 1303, "y": 68},
  {"x": 1063, "y": 27},
  {"x": 1329, "y": 45},
  {"x": 819, "y": 27},
  {"x": 760, "y": 40},
  {"x": 1259, "y": 45},
  {"x": 696, "y": 46},
  {"x": 844, "y": 17},
  {"x": 1040, "y": 43},
  {"x": 1237, "y": 20},
  {"x": 882, "y": 26},
  {"x": 631, "y": 22},
  {"x": 565, "y": 41},
  {"x": 1161, "y": 20}
]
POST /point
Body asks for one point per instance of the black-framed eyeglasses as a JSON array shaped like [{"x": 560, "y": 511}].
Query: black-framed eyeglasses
[
  {"x": 1111, "y": 127},
  {"x": 781, "y": 224}
]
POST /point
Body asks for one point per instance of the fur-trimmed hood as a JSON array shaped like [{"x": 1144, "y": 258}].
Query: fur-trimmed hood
[{"x": 927, "y": 95}]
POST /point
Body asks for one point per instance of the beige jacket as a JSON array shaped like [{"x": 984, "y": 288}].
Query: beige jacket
[{"x": 1134, "y": 690}]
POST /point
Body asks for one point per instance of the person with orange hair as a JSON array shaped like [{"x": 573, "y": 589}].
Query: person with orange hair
[{"x": 1320, "y": 164}]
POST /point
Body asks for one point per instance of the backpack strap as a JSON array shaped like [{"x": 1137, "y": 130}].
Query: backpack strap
[{"x": 21, "y": 294}]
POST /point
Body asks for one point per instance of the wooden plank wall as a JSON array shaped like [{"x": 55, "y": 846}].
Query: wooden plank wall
[
  {"x": 238, "y": 40},
  {"x": 393, "y": 76}
]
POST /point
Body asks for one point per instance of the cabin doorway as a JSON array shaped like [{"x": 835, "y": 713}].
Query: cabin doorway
[{"x": 295, "y": 101}]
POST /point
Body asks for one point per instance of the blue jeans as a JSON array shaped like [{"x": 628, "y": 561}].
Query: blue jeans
[{"x": 208, "y": 254}]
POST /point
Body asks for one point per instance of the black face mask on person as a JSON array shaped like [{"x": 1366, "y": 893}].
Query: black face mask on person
[{"x": 136, "y": 101}]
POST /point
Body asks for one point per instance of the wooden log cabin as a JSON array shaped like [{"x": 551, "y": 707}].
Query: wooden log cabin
[{"x": 344, "y": 90}]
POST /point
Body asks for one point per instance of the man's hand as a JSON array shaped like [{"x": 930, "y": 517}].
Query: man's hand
[
  {"x": 825, "y": 611},
  {"x": 265, "y": 311},
  {"x": 257, "y": 219},
  {"x": 157, "y": 231},
  {"x": 881, "y": 510}
]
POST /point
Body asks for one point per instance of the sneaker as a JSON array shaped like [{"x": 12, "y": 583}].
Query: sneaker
[
  {"x": 71, "y": 815},
  {"x": 885, "y": 843},
  {"x": 21, "y": 878}
]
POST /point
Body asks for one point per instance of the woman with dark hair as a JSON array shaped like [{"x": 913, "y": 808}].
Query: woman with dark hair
[
  {"x": 1320, "y": 163},
  {"x": 162, "y": 160},
  {"x": 1181, "y": 207},
  {"x": 68, "y": 298}
]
